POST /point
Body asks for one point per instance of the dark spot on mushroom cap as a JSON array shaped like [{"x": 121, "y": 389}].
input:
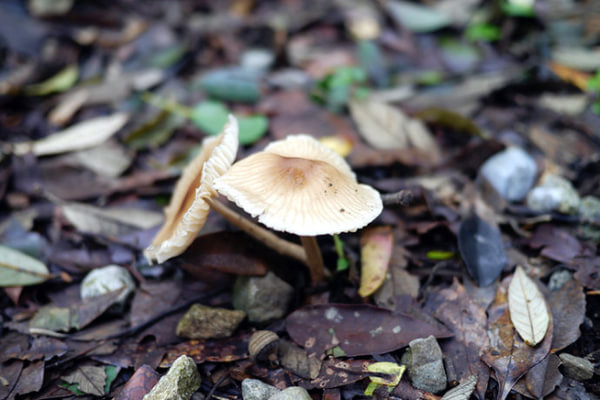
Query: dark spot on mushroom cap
[
  {"x": 342, "y": 210},
  {"x": 330, "y": 184}
]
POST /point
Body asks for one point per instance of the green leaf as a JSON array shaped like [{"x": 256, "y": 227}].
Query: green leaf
[
  {"x": 440, "y": 255},
  {"x": 111, "y": 375},
  {"x": 154, "y": 132},
  {"x": 518, "y": 8},
  {"x": 210, "y": 116},
  {"x": 485, "y": 32},
  {"x": 232, "y": 84},
  {"x": 252, "y": 128},
  {"x": 60, "y": 82},
  {"x": 167, "y": 57},
  {"x": 342, "y": 262},
  {"x": 73, "y": 387},
  {"x": 19, "y": 269}
]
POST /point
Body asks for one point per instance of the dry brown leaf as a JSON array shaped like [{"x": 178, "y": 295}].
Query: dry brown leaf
[
  {"x": 462, "y": 391},
  {"x": 528, "y": 310}
]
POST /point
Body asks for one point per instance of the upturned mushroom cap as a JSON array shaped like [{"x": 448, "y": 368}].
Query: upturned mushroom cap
[
  {"x": 298, "y": 185},
  {"x": 186, "y": 213}
]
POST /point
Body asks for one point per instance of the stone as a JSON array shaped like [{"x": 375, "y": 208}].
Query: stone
[
  {"x": 262, "y": 298},
  {"x": 576, "y": 368},
  {"x": 425, "y": 365},
  {"x": 559, "y": 278},
  {"x": 511, "y": 172},
  {"x": 104, "y": 280},
  {"x": 292, "y": 393},
  {"x": 259, "y": 60},
  {"x": 253, "y": 389},
  {"x": 180, "y": 382},
  {"x": 589, "y": 210},
  {"x": 203, "y": 322},
  {"x": 554, "y": 193}
]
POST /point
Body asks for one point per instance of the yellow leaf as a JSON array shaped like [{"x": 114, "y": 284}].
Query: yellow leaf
[
  {"x": 528, "y": 310},
  {"x": 392, "y": 370},
  {"x": 340, "y": 145},
  {"x": 570, "y": 75},
  {"x": 376, "y": 251}
]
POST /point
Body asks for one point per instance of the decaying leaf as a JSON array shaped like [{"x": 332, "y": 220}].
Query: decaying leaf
[
  {"x": 356, "y": 329},
  {"x": 568, "y": 312},
  {"x": 528, "y": 310},
  {"x": 219, "y": 350},
  {"x": 386, "y": 127},
  {"x": 81, "y": 136},
  {"x": 544, "y": 377},
  {"x": 19, "y": 269},
  {"x": 509, "y": 355},
  {"x": 336, "y": 372},
  {"x": 462, "y": 391},
  {"x": 90, "y": 379},
  {"x": 376, "y": 252}
]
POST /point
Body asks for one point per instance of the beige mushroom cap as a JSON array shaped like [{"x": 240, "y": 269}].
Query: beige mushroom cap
[
  {"x": 186, "y": 213},
  {"x": 300, "y": 186}
]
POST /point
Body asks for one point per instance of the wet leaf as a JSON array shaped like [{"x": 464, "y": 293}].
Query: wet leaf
[
  {"x": 60, "y": 82},
  {"x": 482, "y": 250},
  {"x": 416, "y": 17},
  {"x": 528, "y": 310},
  {"x": 356, "y": 329},
  {"x": 462, "y": 391},
  {"x": 376, "y": 252},
  {"x": 81, "y": 136},
  {"x": 509, "y": 356},
  {"x": 19, "y": 269},
  {"x": 89, "y": 379}
]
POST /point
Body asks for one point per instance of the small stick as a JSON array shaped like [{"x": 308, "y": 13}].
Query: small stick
[
  {"x": 403, "y": 198},
  {"x": 261, "y": 234}
]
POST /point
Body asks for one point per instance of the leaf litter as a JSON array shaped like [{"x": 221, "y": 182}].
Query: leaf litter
[{"x": 102, "y": 107}]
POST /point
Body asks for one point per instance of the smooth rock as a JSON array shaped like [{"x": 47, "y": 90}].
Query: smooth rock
[
  {"x": 263, "y": 298},
  {"x": 104, "y": 280},
  {"x": 576, "y": 368},
  {"x": 292, "y": 393},
  {"x": 554, "y": 193},
  {"x": 203, "y": 322},
  {"x": 260, "y": 60},
  {"x": 180, "y": 382},
  {"x": 589, "y": 210},
  {"x": 511, "y": 172},
  {"x": 253, "y": 389},
  {"x": 425, "y": 365}
]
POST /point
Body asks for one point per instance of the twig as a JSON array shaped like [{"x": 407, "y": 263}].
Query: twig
[{"x": 403, "y": 198}]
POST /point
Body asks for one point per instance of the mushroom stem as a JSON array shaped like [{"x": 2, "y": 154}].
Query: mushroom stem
[
  {"x": 261, "y": 234},
  {"x": 314, "y": 258}
]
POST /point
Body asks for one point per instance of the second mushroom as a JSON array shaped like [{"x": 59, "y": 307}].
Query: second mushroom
[{"x": 300, "y": 186}]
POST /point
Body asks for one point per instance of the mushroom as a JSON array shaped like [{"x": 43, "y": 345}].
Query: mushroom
[
  {"x": 194, "y": 196},
  {"x": 300, "y": 186}
]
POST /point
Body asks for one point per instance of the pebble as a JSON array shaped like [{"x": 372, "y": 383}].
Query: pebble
[
  {"x": 203, "y": 322},
  {"x": 104, "y": 280},
  {"x": 259, "y": 60},
  {"x": 558, "y": 279},
  {"x": 263, "y": 298},
  {"x": 511, "y": 172},
  {"x": 576, "y": 368},
  {"x": 425, "y": 365},
  {"x": 292, "y": 393},
  {"x": 554, "y": 193},
  {"x": 180, "y": 382},
  {"x": 253, "y": 389}
]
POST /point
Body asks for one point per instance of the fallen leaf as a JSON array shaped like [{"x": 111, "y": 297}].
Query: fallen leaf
[
  {"x": 587, "y": 271},
  {"x": 141, "y": 382},
  {"x": 109, "y": 221},
  {"x": 556, "y": 243},
  {"x": 60, "y": 82},
  {"x": 508, "y": 355},
  {"x": 462, "y": 391},
  {"x": 109, "y": 159},
  {"x": 416, "y": 17},
  {"x": 528, "y": 310},
  {"x": 223, "y": 350},
  {"x": 386, "y": 127},
  {"x": 89, "y": 378},
  {"x": 482, "y": 250},
  {"x": 19, "y": 269},
  {"x": 30, "y": 380},
  {"x": 336, "y": 373},
  {"x": 568, "y": 312},
  {"x": 81, "y": 136},
  {"x": 376, "y": 252},
  {"x": 458, "y": 309},
  {"x": 356, "y": 329},
  {"x": 544, "y": 377}
]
